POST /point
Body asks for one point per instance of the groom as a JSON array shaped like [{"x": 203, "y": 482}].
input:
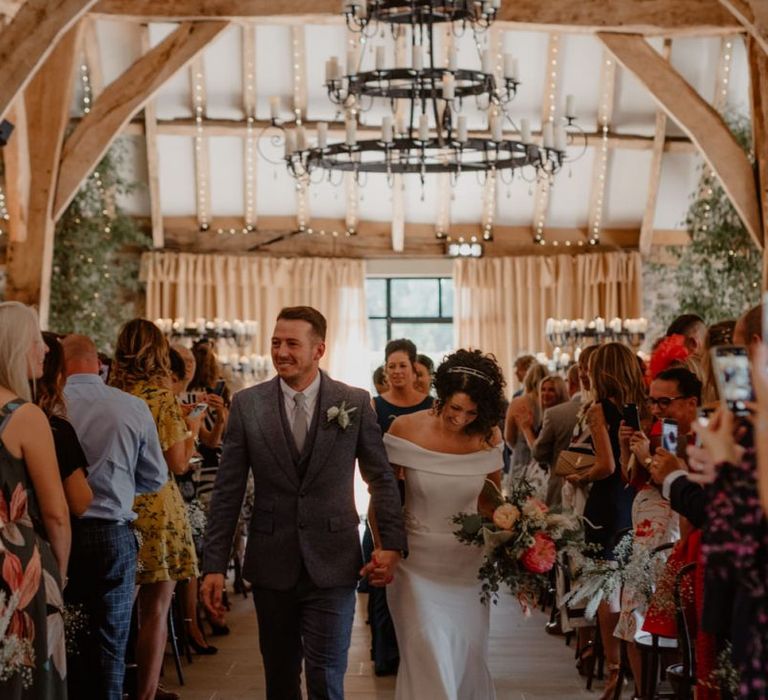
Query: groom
[{"x": 299, "y": 435}]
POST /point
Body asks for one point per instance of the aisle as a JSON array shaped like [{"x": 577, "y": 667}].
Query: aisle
[{"x": 526, "y": 663}]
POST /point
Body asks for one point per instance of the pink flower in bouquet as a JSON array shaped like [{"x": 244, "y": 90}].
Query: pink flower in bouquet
[
  {"x": 505, "y": 516},
  {"x": 539, "y": 558}
]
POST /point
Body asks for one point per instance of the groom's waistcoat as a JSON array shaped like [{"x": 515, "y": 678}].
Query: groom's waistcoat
[{"x": 303, "y": 505}]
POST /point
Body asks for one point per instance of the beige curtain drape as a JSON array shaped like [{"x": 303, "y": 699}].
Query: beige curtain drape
[
  {"x": 502, "y": 304},
  {"x": 256, "y": 288}
]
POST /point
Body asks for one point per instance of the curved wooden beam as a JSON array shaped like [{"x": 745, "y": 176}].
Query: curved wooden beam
[
  {"x": 123, "y": 98},
  {"x": 697, "y": 119},
  {"x": 29, "y": 39}
]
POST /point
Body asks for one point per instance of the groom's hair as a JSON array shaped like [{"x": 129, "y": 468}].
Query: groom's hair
[{"x": 306, "y": 313}]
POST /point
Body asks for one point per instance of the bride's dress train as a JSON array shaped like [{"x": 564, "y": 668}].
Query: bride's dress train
[{"x": 441, "y": 625}]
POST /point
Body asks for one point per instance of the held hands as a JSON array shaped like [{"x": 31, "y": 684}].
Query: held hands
[
  {"x": 211, "y": 592},
  {"x": 217, "y": 405},
  {"x": 380, "y": 571}
]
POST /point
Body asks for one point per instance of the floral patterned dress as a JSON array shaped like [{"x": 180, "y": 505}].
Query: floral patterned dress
[
  {"x": 167, "y": 551},
  {"x": 32, "y": 651},
  {"x": 735, "y": 545}
]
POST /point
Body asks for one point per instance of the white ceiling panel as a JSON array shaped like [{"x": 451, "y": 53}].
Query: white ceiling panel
[
  {"x": 679, "y": 180},
  {"x": 226, "y": 157},
  {"x": 275, "y": 188},
  {"x": 627, "y": 189},
  {"x": 223, "y": 70},
  {"x": 274, "y": 69},
  {"x": 177, "y": 175},
  {"x": 571, "y": 193},
  {"x": 174, "y": 99}
]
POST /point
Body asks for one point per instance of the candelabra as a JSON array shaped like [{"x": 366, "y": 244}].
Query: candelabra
[{"x": 579, "y": 332}]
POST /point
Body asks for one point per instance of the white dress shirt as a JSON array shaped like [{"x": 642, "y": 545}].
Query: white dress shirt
[{"x": 310, "y": 400}]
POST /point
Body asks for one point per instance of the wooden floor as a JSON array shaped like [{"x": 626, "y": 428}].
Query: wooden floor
[{"x": 526, "y": 663}]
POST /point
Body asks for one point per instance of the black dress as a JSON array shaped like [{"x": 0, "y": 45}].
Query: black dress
[
  {"x": 609, "y": 504},
  {"x": 69, "y": 452},
  {"x": 384, "y": 651}
]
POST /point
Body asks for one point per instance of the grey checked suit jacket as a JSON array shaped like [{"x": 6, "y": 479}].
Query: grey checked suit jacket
[{"x": 313, "y": 520}]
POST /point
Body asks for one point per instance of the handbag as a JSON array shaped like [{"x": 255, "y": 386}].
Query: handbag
[{"x": 578, "y": 457}]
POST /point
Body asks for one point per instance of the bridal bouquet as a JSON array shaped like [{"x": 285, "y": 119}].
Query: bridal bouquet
[{"x": 520, "y": 541}]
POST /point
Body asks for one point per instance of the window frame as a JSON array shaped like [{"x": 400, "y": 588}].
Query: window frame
[{"x": 424, "y": 320}]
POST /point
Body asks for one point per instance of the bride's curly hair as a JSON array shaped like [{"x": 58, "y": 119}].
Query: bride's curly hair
[{"x": 478, "y": 376}]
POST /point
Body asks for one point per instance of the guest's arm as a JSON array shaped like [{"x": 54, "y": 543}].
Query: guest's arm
[
  {"x": 151, "y": 468},
  {"x": 604, "y": 464},
  {"x": 688, "y": 499},
  {"x": 212, "y": 438},
  {"x": 40, "y": 457},
  {"x": 77, "y": 492}
]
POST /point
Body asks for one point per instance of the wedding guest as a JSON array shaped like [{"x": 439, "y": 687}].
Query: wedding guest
[
  {"x": 522, "y": 364},
  {"x": 49, "y": 396},
  {"x": 36, "y": 540},
  {"x": 120, "y": 441},
  {"x": 401, "y": 399},
  {"x": 718, "y": 334},
  {"x": 208, "y": 386},
  {"x": 523, "y": 410},
  {"x": 552, "y": 392},
  {"x": 693, "y": 329},
  {"x": 557, "y": 428},
  {"x": 182, "y": 363},
  {"x": 380, "y": 380},
  {"x": 424, "y": 368},
  {"x": 572, "y": 381},
  {"x": 167, "y": 553},
  {"x": 615, "y": 380}
]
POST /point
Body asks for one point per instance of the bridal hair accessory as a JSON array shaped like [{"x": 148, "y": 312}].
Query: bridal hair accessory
[
  {"x": 340, "y": 414},
  {"x": 471, "y": 371}
]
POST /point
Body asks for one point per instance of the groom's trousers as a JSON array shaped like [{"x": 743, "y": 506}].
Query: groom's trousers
[{"x": 309, "y": 623}]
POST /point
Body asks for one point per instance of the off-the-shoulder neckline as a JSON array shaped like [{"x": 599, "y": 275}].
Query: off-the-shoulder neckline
[{"x": 389, "y": 436}]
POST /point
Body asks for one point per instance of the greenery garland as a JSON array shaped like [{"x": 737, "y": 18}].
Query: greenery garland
[
  {"x": 717, "y": 275},
  {"x": 95, "y": 281}
]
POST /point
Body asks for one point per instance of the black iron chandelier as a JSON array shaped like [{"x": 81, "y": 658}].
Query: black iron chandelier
[{"x": 427, "y": 132}]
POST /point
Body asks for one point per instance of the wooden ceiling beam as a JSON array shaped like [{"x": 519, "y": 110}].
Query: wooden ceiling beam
[
  {"x": 374, "y": 238},
  {"x": 758, "y": 95},
  {"x": 47, "y": 100},
  {"x": 29, "y": 39},
  {"x": 654, "y": 176},
  {"x": 650, "y": 17},
  {"x": 153, "y": 163},
  {"x": 753, "y": 16},
  {"x": 699, "y": 120},
  {"x": 17, "y": 175},
  {"x": 123, "y": 98}
]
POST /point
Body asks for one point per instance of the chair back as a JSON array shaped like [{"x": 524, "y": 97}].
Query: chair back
[{"x": 684, "y": 636}]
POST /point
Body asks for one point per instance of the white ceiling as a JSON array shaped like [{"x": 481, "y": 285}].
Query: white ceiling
[{"x": 581, "y": 59}]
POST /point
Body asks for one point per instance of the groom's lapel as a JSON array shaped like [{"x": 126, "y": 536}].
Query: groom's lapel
[
  {"x": 325, "y": 438},
  {"x": 268, "y": 417}
]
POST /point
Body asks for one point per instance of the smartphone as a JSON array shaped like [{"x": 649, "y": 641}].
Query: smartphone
[
  {"x": 734, "y": 381},
  {"x": 669, "y": 436},
  {"x": 703, "y": 420},
  {"x": 198, "y": 410},
  {"x": 219, "y": 388},
  {"x": 631, "y": 415}
]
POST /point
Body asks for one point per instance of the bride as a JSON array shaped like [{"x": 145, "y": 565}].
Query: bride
[{"x": 447, "y": 453}]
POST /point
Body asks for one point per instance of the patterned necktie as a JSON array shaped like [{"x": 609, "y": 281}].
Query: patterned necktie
[{"x": 300, "y": 426}]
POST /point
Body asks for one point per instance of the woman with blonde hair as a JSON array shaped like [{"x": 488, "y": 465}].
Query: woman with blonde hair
[
  {"x": 524, "y": 411},
  {"x": 35, "y": 534},
  {"x": 141, "y": 367}
]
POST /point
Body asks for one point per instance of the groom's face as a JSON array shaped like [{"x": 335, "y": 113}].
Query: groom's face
[{"x": 296, "y": 352}]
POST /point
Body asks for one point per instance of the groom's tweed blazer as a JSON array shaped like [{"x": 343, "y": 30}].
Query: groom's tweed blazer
[{"x": 310, "y": 520}]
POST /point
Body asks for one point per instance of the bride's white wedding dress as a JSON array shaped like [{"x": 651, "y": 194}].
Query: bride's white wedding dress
[{"x": 441, "y": 625}]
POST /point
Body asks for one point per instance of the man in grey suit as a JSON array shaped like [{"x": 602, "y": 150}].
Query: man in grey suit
[
  {"x": 299, "y": 435},
  {"x": 557, "y": 428}
]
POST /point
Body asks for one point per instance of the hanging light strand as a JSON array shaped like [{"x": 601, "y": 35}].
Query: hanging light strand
[
  {"x": 249, "y": 98},
  {"x": 603, "y": 119},
  {"x": 201, "y": 155}
]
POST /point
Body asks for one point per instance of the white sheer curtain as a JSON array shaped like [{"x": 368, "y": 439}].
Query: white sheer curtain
[
  {"x": 240, "y": 287},
  {"x": 502, "y": 304}
]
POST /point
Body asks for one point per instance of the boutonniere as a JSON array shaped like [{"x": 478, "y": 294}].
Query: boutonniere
[{"x": 341, "y": 415}]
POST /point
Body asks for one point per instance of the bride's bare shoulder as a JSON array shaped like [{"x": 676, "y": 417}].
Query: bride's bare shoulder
[{"x": 410, "y": 425}]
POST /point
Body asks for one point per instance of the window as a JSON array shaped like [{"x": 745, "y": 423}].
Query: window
[{"x": 417, "y": 308}]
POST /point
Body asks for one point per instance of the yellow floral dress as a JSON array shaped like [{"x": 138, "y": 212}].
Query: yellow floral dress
[{"x": 167, "y": 551}]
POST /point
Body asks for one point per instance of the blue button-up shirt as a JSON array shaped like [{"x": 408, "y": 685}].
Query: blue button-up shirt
[{"x": 119, "y": 438}]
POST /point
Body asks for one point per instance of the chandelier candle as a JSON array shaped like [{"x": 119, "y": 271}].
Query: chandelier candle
[
  {"x": 453, "y": 59},
  {"x": 487, "y": 62},
  {"x": 290, "y": 143},
  {"x": 274, "y": 107},
  {"x": 380, "y": 57},
  {"x": 386, "y": 130},
  {"x": 351, "y": 132},
  {"x": 301, "y": 138},
  {"x": 560, "y": 139},
  {"x": 525, "y": 131},
  {"x": 449, "y": 86},
  {"x": 322, "y": 134},
  {"x": 418, "y": 58},
  {"x": 462, "y": 129},
  {"x": 570, "y": 112},
  {"x": 423, "y": 127},
  {"x": 510, "y": 66},
  {"x": 351, "y": 62},
  {"x": 548, "y": 135},
  {"x": 496, "y": 124}
]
